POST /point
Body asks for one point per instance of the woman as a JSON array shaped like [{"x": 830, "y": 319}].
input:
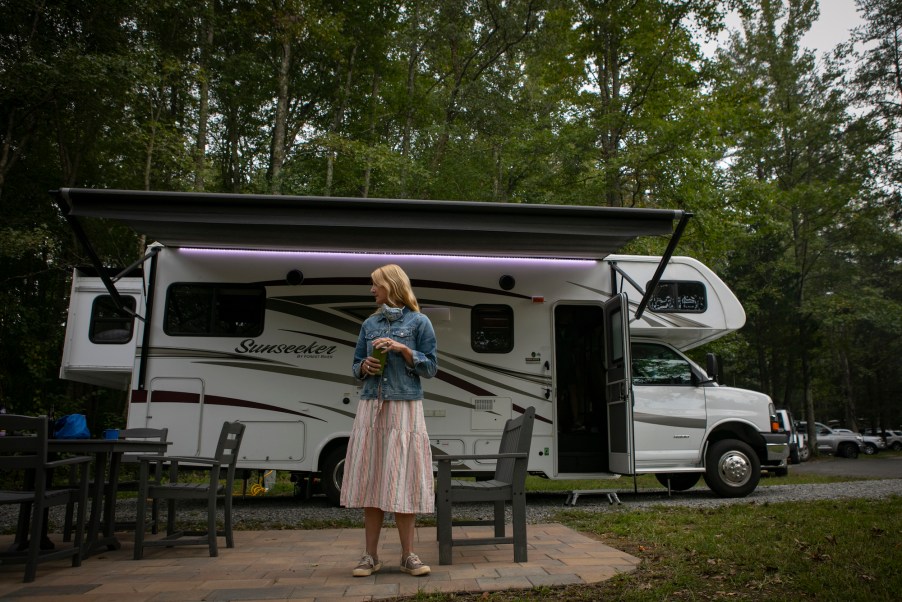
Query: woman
[{"x": 388, "y": 467}]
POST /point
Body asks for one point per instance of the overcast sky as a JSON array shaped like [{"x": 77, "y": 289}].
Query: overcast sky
[{"x": 837, "y": 18}]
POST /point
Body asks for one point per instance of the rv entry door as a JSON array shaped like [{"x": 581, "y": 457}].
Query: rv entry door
[{"x": 619, "y": 385}]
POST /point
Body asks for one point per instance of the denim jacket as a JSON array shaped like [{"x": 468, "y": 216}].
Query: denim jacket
[{"x": 399, "y": 381}]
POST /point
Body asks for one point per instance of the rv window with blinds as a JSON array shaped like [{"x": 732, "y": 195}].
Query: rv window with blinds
[
  {"x": 679, "y": 296},
  {"x": 108, "y": 325},
  {"x": 492, "y": 328},
  {"x": 214, "y": 310}
]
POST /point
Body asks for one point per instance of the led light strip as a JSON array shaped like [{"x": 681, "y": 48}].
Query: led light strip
[{"x": 344, "y": 255}]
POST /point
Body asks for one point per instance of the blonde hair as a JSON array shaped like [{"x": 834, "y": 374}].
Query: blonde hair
[{"x": 396, "y": 282}]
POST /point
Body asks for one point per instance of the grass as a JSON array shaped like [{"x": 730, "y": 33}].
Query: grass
[
  {"x": 826, "y": 550},
  {"x": 823, "y": 550}
]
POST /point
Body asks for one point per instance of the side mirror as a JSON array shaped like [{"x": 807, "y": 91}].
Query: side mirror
[{"x": 711, "y": 367}]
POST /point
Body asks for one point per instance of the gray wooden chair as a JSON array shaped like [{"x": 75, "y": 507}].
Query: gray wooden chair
[
  {"x": 508, "y": 485},
  {"x": 219, "y": 484},
  {"x": 126, "y": 485},
  {"x": 24, "y": 448}
]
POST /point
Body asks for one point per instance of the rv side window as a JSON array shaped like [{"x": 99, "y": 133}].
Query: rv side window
[
  {"x": 214, "y": 310},
  {"x": 108, "y": 326},
  {"x": 492, "y": 328},
  {"x": 679, "y": 296},
  {"x": 659, "y": 365}
]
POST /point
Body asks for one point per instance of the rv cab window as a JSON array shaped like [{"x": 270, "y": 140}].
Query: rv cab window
[
  {"x": 214, "y": 310},
  {"x": 492, "y": 328},
  {"x": 679, "y": 296},
  {"x": 659, "y": 365},
  {"x": 108, "y": 326}
]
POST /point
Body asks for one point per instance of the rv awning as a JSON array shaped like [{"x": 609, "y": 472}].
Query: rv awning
[{"x": 182, "y": 219}]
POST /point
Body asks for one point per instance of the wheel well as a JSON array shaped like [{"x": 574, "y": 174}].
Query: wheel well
[
  {"x": 742, "y": 432},
  {"x": 328, "y": 448}
]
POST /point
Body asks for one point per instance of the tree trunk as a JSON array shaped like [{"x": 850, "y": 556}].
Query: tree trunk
[
  {"x": 200, "y": 146},
  {"x": 337, "y": 118},
  {"x": 368, "y": 170},
  {"x": 280, "y": 127},
  {"x": 413, "y": 60}
]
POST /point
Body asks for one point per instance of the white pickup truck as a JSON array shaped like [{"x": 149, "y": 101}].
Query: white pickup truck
[{"x": 798, "y": 443}]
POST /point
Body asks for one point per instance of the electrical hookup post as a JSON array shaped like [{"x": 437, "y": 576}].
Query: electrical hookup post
[{"x": 266, "y": 483}]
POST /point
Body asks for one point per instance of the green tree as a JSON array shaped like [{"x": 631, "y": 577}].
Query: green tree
[{"x": 798, "y": 175}]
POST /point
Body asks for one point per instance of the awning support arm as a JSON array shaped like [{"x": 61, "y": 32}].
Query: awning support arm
[
  {"x": 626, "y": 277},
  {"x": 665, "y": 259},
  {"x": 95, "y": 259},
  {"x": 135, "y": 264}
]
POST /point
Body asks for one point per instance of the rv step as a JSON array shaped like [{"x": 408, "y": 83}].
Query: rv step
[{"x": 574, "y": 495}]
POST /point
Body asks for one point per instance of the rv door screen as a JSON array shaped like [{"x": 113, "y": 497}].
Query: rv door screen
[{"x": 619, "y": 390}]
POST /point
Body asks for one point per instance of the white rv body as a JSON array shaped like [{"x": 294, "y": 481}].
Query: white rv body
[{"x": 512, "y": 333}]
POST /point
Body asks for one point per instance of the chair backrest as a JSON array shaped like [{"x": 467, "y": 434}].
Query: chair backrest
[
  {"x": 229, "y": 444},
  {"x": 516, "y": 437},
  {"x": 24, "y": 446}
]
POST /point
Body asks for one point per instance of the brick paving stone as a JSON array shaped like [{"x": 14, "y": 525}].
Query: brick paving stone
[{"x": 315, "y": 566}]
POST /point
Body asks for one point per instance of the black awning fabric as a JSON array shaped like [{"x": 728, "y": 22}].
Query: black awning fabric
[{"x": 211, "y": 220}]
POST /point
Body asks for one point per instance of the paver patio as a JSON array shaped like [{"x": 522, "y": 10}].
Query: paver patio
[{"x": 315, "y": 566}]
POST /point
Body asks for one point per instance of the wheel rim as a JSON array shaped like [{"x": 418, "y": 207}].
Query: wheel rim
[
  {"x": 735, "y": 468},
  {"x": 338, "y": 474}
]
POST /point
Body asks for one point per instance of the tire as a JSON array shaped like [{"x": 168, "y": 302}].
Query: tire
[
  {"x": 679, "y": 481},
  {"x": 333, "y": 473},
  {"x": 870, "y": 449},
  {"x": 848, "y": 451},
  {"x": 732, "y": 468},
  {"x": 897, "y": 446},
  {"x": 794, "y": 456},
  {"x": 804, "y": 454}
]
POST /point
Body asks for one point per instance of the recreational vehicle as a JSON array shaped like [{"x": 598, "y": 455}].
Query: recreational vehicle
[{"x": 248, "y": 308}]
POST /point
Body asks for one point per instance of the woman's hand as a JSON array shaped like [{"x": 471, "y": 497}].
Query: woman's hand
[
  {"x": 386, "y": 344},
  {"x": 369, "y": 366}
]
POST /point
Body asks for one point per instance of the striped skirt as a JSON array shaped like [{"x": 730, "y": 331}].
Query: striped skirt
[{"x": 389, "y": 459}]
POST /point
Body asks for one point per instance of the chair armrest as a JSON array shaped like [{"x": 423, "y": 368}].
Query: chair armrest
[
  {"x": 176, "y": 459},
  {"x": 456, "y": 457},
  {"x": 444, "y": 464},
  {"x": 173, "y": 461},
  {"x": 67, "y": 461}
]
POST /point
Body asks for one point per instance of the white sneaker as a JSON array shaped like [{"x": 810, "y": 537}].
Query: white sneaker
[
  {"x": 413, "y": 566},
  {"x": 367, "y": 566}
]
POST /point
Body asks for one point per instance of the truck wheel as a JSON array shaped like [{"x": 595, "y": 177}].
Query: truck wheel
[
  {"x": 849, "y": 451},
  {"x": 732, "y": 468},
  {"x": 333, "y": 473},
  {"x": 794, "y": 455},
  {"x": 870, "y": 449},
  {"x": 679, "y": 481},
  {"x": 804, "y": 454},
  {"x": 897, "y": 446}
]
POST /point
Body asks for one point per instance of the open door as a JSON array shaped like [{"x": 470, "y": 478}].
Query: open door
[
  {"x": 621, "y": 457},
  {"x": 580, "y": 413}
]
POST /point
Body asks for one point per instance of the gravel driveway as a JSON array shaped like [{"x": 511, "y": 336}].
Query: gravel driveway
[{"x": 288, "y": 512}]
